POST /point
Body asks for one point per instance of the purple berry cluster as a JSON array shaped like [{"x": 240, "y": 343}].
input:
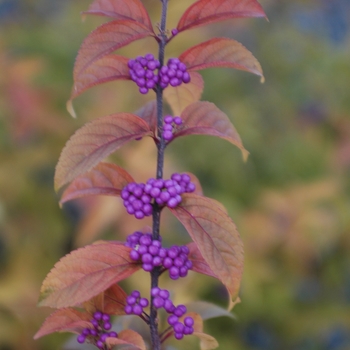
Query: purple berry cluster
[
  {"x": 138, "y": 198},
  {"x": 135, "y": 304},
  {"x": 151, "y": 253},
  {"x": 100, "y": 332},
  {"x": 174, "y": 73},
  {"x": 161, "y": 300},
  {"x": 169, "y": 124},
  {"x": 142, "y": 72}
]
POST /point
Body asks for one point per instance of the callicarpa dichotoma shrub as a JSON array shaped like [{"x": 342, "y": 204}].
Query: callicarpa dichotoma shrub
[{"x": 83, "y": 285}]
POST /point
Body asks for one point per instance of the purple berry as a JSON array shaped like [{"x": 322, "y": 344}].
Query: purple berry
[
  {"x": 113, "y": 334},
  {"x": 143, "y": 302},
  {"x": 98, "y": 315},
  {"x": 128, "y": 309},
  {"x": 155, "y": 291},
  {"x": 100, "y": 344},
  {"x": 158, "y": 302},
  {"x": 188, "y": 321},
  {"x": 147, "y": 267},
  {"x": 178, "y": 327},
  {"x": 137, "y": 310},
  {"x": 164, "y": 294},
  {"x": 103, "y": 337},
  {"x": 172, "y": 319},
  {"x": 81, "y": 339},
  {"x": 136, "y": 294},
  {"x": 86, "y": 332},
  {"x": 178, "y": 336}
]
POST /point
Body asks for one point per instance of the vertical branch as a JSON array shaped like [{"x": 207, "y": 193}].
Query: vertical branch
[{"x": 159, "y": 174}]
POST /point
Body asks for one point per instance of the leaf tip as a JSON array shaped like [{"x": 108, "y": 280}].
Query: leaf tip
[
  {"x": 83, "y": 17},
  {"x": 245, "y": 155},
  {"x": 232, "y": 303},
  {"x": 70, "y": 108},
  {"x": 262, "y": 79}
]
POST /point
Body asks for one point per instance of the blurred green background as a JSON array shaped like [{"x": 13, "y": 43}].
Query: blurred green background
[{"x": 290, "y": 201}]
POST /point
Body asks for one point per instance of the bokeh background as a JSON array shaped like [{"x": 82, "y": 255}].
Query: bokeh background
[{"x": 290, "y": 200}]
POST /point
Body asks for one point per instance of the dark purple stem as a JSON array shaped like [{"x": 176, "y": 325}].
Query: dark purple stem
[{"x": 160, "y": 164}]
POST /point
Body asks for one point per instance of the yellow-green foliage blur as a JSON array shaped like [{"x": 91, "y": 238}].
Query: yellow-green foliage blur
[{"x": 290, "y": 200}]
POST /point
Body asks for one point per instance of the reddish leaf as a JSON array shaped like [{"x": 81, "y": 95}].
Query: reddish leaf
[
  {"x": 84, "y": 273},
  {"x": 104, "y": 179},
  {"x": 64, "y": 320},
  {"x": 95, "y": 141},
  {"x": 181, "y": 96},
  {"x": 221, "y": 52},
  {"x": 108, "y": 68},
  {"x": 149, "y": 114},
  {"x": 204, "y": 12},
  {"x": 216, "y": 237},
  {"x": 121, "y": 9},
  {"x": 199, "y": 264},
  {"x": 204, "y": 118},
  {"x": 128, "y": 337},
  {"x": 115, "y": 300},
  {"x": 105, "y": 39},
  {"x": 112, "y": 301}
]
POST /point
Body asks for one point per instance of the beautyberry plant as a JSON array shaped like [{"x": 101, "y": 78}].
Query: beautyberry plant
[{"x": 83, "y": 285}]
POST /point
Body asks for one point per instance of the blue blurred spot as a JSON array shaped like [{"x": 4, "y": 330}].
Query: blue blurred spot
[
  {"x": 258, "y": 336},
  {"x": 337, "y": 339},
  {"x": 308, "y": 290}
]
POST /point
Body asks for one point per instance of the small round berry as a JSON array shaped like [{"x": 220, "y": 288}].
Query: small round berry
[
  {"x": 169, "y": 306},
  {"x": 81, "y": 339},
  {"x": 188, "y": 321},
  {"x": 168, "y": 119},
  {"x": 142, "y": 249},
  {"x": 155, "y": 291},
  {"x": 178, "y": 327},
  {"x": 172, "y": 319},
  {"x": 113, "y": 334},
  {"x": 106, "y": 318},
  {"x": 135, "y": 293},
  {"x": 158, "y": 302},
  {"x": 164, "y": 294},
  {"x": 188, "y": 330},
  {"x": 134, "y": 255},
  {"x": 94, "y": 323},
  {"x": 137, "y": 310},
  {"x": 143, "y": 302},
  {"x": 177, "y": 120},
  {"x": 98, "y": 315},
  {"x": 147, "y": 267},
  {"x": 131, "y": 300},
  {"x": 128, "y": 309},
  {"x": 100, "y": 344},
  {"x": 103, "y": 337},
  {"x": 178, "y": 336},
  {"x": 86, "y": 332}
]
